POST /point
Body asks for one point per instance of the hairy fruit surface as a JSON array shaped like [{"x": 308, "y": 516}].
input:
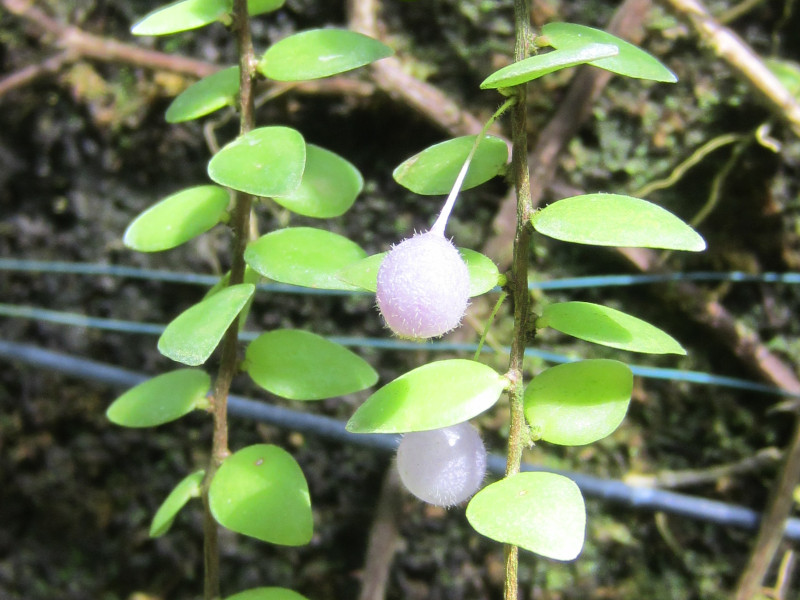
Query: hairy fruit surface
[{"x": 423, "y": 287}]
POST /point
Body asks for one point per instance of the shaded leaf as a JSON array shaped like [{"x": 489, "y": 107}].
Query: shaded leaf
[
  {"x": 260, "y": 491},
  {"x": 188, "y": 488},
  {"x": 614, "y": 220},
  {"x": 205, "y": 96},
  {"x": 267, "y": 593},
  {"x": 182, "y": 16},
  {"x": 259, "y": 7},
  {"x": 161, "y": 399},
  {"x": 432, "y": 396}
]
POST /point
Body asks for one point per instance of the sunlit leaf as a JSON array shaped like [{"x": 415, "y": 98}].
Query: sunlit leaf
[
  {"x": 607, "y": 326},
  {"x": 300, "y": 365},
  {"x": 578, "y": 403},
  {"x": 260, "y": 491},
  {"x": 631, "y": 61},
  {"x": 177, "y": 219},
  {"x": 540, "y": 512},
  {"x": 363, "y": 274},
  {"x": 320, "y": 53},
  {"x": 434, "y": 170},
  {"x": 303, "y": 256},
  {"x": 161, "y": 399},
  {"x": 205, "y": 96},
  {"x": 259, "y": 7},
  {"x": 328, "y": 188},
  {"x": 542, "y": 64},
  {"x": 194, "y": 334},
  {"x": 267, "y": 593},
  {"x": 614, "y": 220},
  {"x": 182, "y": 16},
  {"x": 435, "y": 395},
  {"x": 268, "y": 161},
  {"x": 188, "y": 488}
]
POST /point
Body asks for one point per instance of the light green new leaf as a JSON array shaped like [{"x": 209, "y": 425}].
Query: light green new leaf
[
  {"x": 303, "y": 256},
  {"x": 261, "y": 491},
  {"x": 787, "y": 72},
  {"x": 614, "y": 220},
  {"x": 205, "y": 96},
  {"x": 300, "y": 365},
  {"x": 177, "y": 219},
  {"x": 483, "y": 273},
  {"x": 542, "y": 64},
  {"x": 578, "y": 403},
  {"x": 161, "y": 399},
  {"x": 631, "y": 61},
  {"x": 328, "y": 188},
  {"x": 434, "y": 170},
  {"x": 267, "y": 593},
  {"x": 194, "y": 334},
  {"x": 268, "y": 161},
  {"x": 607, "y": 326},
  {"x": 259, "y": 7},
  {"x": 182, "y": 16},
  {"x": 432, "y": 396},
  {"x": 320, "y": 53},
  {"x": 540, "y": 512},
  {"x": 188, "y": 488}
]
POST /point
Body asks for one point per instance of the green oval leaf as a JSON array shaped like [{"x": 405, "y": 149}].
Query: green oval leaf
[
  {"x": 259, "y": 7},
  {"x": 182, "y": 16},
  {"x": 267, "y": 593},
  {"x": 787, "y": 72},
  {"x": 268, "y": 161},
  {"x": 261, "y": 491},
  {"x": 300, "y": 365},
  {"x": 177, "y": 219},
  {"x": 192, "y": 336},
  {"x": 320, "y": 53},
  {"x": 631, "y": 61},
  {"x": 542, "y": 64},
  {"x": 303, "y": 256},
  {"x": 607, "y": 326},
  {"x": 205, "y": 96},
  {"x": 540, "y": 512},
  {"x": 578, "y": 403},
  {"x": 161, "y": 399},
  {"x": 483, "y": 273},
  {"x": 432, "y": 396},
  {"x": 614, "y": 220},
  {"x": 434, "y": 170},
  {"x": 328, "y": 188},
  {"x": 188, "y": 488}
]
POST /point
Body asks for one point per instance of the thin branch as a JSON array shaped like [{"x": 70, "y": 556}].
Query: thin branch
[{"x": 28, "y": 74}]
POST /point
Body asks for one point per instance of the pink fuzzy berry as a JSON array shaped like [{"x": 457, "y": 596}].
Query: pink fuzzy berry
[
  {"x": 443, "y": 466},
  {"x": 423, "y": 287}
]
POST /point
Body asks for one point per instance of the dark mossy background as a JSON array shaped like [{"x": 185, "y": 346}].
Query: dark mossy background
[{"x": 82, "y": 152}]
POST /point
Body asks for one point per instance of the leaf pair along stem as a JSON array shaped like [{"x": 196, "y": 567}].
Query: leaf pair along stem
[{"x": 240, "y": 224}]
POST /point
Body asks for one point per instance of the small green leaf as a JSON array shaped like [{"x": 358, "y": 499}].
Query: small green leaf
[
  {"x": 607, "y": 326},
  {"x": 631, "y": 61},
  {"x": 303, "y": 256},
  {"x": 188, "y": 488},
  {"x": 268, "y": 161},
  {"x": 177, "y": 219},
  {"x": 434, "y": 170},
  {"x": 300, "y": 365},
  {"x": 182, "y": 16},
  {"x": 320, "y": 53},
  {"x": 578, "y": 403},
  {"x": 483, "y": 273},
  {"x": 259, "y": 7},
  {"x": 328, "y": 188},
  {"x": 261, "y": 491},
  {"x": 161, "y": 399},
  {"x": 193, "y": 335},
  {"x": 787, "y": 72},
  {"x": 267, "y": 593},
  {"x": 540, "y": 512},
  {"x": 542, "y": 64},
  {"x": 432, "y": 396},
  {"x": 205, "y": 96},
  {"x": 614, "y": 220}
]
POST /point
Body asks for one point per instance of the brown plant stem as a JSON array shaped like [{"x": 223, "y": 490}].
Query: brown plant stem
[
  {"x": 229, "y": 362},
  {"x": 517, "y": 434}
]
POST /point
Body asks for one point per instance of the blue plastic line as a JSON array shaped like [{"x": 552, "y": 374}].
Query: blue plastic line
[
  {"x": 610, "y": 490},
  {"x": 698, "y": 377}
]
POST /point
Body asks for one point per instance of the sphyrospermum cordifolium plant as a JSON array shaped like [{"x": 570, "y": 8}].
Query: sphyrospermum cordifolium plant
[{"x": 422, "y": 285}]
